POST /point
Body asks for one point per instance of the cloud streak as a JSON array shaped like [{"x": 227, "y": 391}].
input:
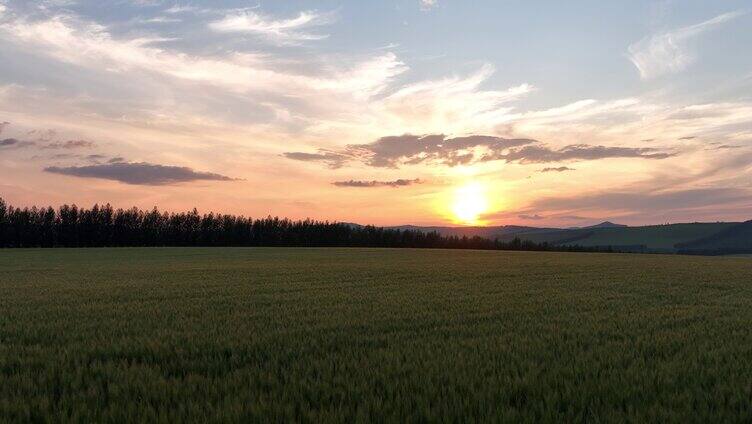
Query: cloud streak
[
  {"x": 138, "y": 173},
  {"x": 577, "y": 152},
  {"x": 282, "y": 31},
  {"x": 374, "y": 183},
  {"x": 669, "y": 52},
  {"x": 557, "y": 169}
]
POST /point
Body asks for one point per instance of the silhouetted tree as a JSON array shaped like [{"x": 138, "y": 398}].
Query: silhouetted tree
[{"x": 101, "y": 226}]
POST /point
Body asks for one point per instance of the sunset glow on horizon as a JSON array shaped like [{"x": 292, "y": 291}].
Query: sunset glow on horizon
[
  {"x": 469, "y": 202},
  {"x": 384, "y": 113}
]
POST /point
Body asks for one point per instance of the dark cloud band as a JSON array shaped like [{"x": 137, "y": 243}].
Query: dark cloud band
[
  {"x": 393, "y": 151},
  {"x": 331, "y": 159},
  {"x": 138, "y": 173}
]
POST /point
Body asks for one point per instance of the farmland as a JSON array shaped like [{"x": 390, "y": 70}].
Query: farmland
[{"x": 283, "y": 334}]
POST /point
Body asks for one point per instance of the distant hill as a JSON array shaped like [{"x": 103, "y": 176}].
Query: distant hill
[
  {"x": 652, "y": 238},
  {"x": 657, "y": 238},
  {"x": 734, "y": 239},
  {"x": 606, "y": 224}
]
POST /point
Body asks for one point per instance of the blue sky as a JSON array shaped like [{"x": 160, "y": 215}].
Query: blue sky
[
  {"x": 641, "y": 101},
  {"x": 572, "y": 49}
]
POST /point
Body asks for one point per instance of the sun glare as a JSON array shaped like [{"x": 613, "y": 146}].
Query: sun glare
[{"x": 469, "y": 203}]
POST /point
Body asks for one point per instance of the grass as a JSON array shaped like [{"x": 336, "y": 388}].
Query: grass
[{"x": 346, "y": 335}]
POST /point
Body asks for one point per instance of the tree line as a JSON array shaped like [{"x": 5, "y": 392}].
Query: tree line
[{"x": 104, "y": 226}]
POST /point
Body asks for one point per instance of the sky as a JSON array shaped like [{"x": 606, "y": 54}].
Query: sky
[{"x": 425, "y": 112}]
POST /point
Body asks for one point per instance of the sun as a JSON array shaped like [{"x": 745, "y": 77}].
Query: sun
[{"x": 469, "y": 202}]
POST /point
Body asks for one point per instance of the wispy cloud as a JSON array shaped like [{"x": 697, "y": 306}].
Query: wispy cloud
[
  {"x": 69, "y": 144},
  {"x": 575, "y": 152},
  {"x": 669, "y": 52},
  {"x": 70, "y": 40},
  {"x": 159, "y": 20},
  {"x": 138, "y": 173},
  {"x": 277, "y": 30},
  {"x": 428, "y": 4},
  {"x": 183, "y": 8},
  {"x": 457, "y": 104},
  {"x": 374, "y": 183},
  {"x": 726, "y": 147}
]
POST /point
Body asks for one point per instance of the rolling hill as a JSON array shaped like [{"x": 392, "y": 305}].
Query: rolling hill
[
  {"x": 734, "y": 239},
  {"x": 652, "y": 238}
]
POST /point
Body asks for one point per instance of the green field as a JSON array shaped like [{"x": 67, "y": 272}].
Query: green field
[{"x": 343, "y": 335}]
